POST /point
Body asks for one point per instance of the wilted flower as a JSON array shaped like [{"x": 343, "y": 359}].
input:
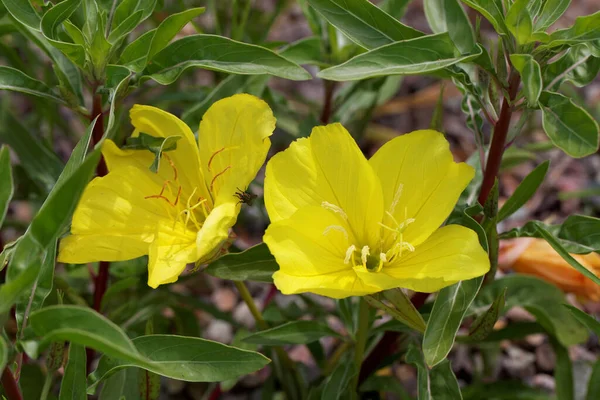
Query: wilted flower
[
  {"x": 182, "y": 213},
  {"x": 344, "y": 226}
]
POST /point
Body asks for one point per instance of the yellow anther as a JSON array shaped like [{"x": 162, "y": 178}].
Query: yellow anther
[
  {"x": 337, "y": 228},
  {"x": 336, "y": 209},
  {"x": 350, "y": 254}
]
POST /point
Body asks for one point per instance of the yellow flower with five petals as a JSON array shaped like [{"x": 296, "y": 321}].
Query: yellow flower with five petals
[
  {"x": 342, "y": 225},
  {"x": 184, "y": 212}
]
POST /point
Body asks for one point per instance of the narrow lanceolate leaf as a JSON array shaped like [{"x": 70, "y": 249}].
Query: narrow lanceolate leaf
[
  {"x": 337, "y": 384},
  {"x": 254, "y": 264},
  {"x": 363, "y": 22},
  {"x": 15, "y": 80},
  {"x": 593, "y": 389},
  {"x": 52, "y": 20},
  {"x": 437, "y": 383},
  {"x": 184, "y": 358},
  {"x": 23, "y": 12},
  {"x": 550, "y": 12},
  {"x": 296, "y": 332},
  {"x": 73, "y": 385},
  {"x": 6, "y": 183},
  {"x": 449, "y": 16},
  {"x": 492, "y": 11},
  {"x": 3, "y": 353},
  {"x": 220, "y": 54},
  {"x": 531, "y": 74},
  {"x": 586, "y": 319},
  {"x": 484, "y": 324},
  {"x": 585, "y": 29},
  {"x": 403, "y": 304},
  {"x": 563, "y": 372},
  {"x": 524, "y": 191},
  {"x": 449, "y": 309},
  {"x": 410, "y": 57},
  {"x": 518, "y": 21},
  {"x": 568, "y": 126}
]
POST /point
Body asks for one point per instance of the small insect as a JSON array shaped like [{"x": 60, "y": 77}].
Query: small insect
[{"x": 244, "y": 197}]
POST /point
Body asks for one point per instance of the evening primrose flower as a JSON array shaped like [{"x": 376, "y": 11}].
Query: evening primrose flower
[
  {"x": 182, "y": 213},
  {"x": 344, "y": 226}
]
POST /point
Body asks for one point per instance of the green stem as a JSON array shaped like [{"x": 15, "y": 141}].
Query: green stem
[
  {"x": 247, "y": 297},
  {"x": 362, "y": 333},
  {"x": 47, "y": 386}
]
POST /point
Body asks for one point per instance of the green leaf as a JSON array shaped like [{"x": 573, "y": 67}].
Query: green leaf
[
  {"x": 403, "y": 305},
  {"x": 296, "y": 332},
  {"x": 581, "y": 64},
  {"x": 156, "y": 145},
  {"x": 122, "y": 384},
  {"x": 6, "y": 184},
  {"x": 551, "y": 11},
  {"x": 3, "y": 353},
  {"x": 125, "y": 27},
  {"x": 184, "y": 358},
  {"x": 337, "y": 384},
  {"x": 449, "y": 309},
  {"x": 542, "y": 299},
  {"x": 73, "y": 385},
  {"x": 492, "y": 11},
  {"x": 15, "y": 80},
  {"x": 484, "y": 324},
  {"x": 568, "y": 126},
  {"x": 254, "y": 264},
  {"x": 170, "y": 27},
  {"x": 518, "y": 21},
  {"x": 52, "y": 20},
  {"x": 449, "y": 16},
  {"x": 531, "y": 75},
  {"x": 593, "y": 390},
  {"x": 563, "y": 372},
  {"x": 363, "y": 22},
  {"x": 585, "y": 29},
  {"x": 437, "y": 383},
  {"x": 220, "y": 54},
  {"x": 304, "y": 51},
  {"x": 590, "y": 322},
  {"x": 410, "y": 57},
  {"x": 524, "y": 191},
  {"x": 22, "y": 11}
]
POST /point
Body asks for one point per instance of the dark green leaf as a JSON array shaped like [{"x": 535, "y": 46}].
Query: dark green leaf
[
  {"x": 52, "y": 20},
  {"x": 404, "y": 306},
  {"x": 585, "y": 29},
  {"x": 410, "y": 57},
  {"x": 156, "y": 145},
  {"x": 542, "y": 299},
  {"x": 254, "y": 264},
  {"x": 586, "y": 319},
  {"x": 551, "y": 11},
  {"x": 514, "y": 331},
  {"x": 73, "y": 385},
  {"x": 531, "y": 75},
  {"x": 503, "y": 390},
  {"x": 524, "y": 191},
  {"x": 6, "y": 183},
  {"x": 3, "y": 353},
  {"x": 125, "y": 27},
  {"x": 492, "y": 11},
  {"x": 449, "y": 309},
  {"x": 569, "y": 126},
  {"x": 23, "y": 12},
  {"x": 296, "y": 332},
  {"x": 484, "y": 324},
  {"x": 122, "y": 384},
  {"x": 438, "y": 382},
  {"x": 518, "y": 21},
  {"x": 363, "y": 22},
  {"x": 304, "y": 51},
  {"x": 449, "y": 16},
  {"x": 337, "y": 384},
  {"x": 593, "y": 390},
  {"x": 13, "y": 79},
  {"x": 220, "y": 54},
  {"x": 563, "y": 371}
]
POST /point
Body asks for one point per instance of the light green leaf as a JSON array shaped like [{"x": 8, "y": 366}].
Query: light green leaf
[
  {"x": 449, "y": 16},
  {"x": 15, "y": 80},
  {"x": 135, "y": 55},
  {"x": 551, "y": 11},
  {"x": 568, "y": 126},
  {"x": 531, "y": 75},
  {"x": 581, "y": 64},
  {"x": 170, "y": 27},
  {"x": 585, "y": 29},
  {"x": 363, "y": 22},
  {"x": 51, "y": 22},
  {"x": 524, "y": 191},
  {"x": 23, "y": 12},
  {"x": 590, "y": 322},
  {"x": 254, "y": 264},
  {"x": 125, "y": 27},
  {"x": 518, "y": 21},
  {"x": 437, "y": 383},
  {"x": 6, "y": 184},
  {"x": 409, "y": 57},
  {"x": 220, "y": 54},
  {"x": 542, "y": 299},
  {"x": 563, "y": 371},
  {"x": 296, "y": 332},
  {"x": 449, "y": 309},
  {"x": 492, "y": 11},
  {"x": 73, "y": 385}
]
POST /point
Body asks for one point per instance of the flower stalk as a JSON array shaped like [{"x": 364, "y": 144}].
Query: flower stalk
[{"x": 362, "y": 334}]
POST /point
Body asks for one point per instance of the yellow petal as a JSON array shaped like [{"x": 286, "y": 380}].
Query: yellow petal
[
  {"x": 339, "y": 174},
  {"x": 159, "y": 123},
  {"x": 171, "y": 251},
  {"x": 234, "y": 140},
  {"x": 419, "y": 176},
  {"x": 215, "y": 230},
  {"x": 113, "y": 221},
  {"x": 450, "y": 254},
  {"x": 310, "y": 248}
]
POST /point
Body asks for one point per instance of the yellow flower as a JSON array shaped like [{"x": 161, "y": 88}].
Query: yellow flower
[
  {"x": 344, "y": 226},
  {"x": 183, "y": 213}
]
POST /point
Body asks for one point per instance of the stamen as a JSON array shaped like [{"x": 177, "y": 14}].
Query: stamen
[
  {"x": 216, "y": 176},
  {"x": 383, "y": 257},
  {"x": 396, "y": 198},
  {"x": 172, "y": 166},
  {"x": 349, "y": 254},
  {"x": 336, "y": 209},
  {"x": 364, "y": 254},
  {"x": 337, "y": 228},
  {"x": 213, "y": 156}
]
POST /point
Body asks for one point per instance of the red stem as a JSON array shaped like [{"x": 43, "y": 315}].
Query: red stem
[
  {"x": 216, "y": 393},
  {"x": 329, "y": 88},
  {"x": 11, "y": 388}
]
